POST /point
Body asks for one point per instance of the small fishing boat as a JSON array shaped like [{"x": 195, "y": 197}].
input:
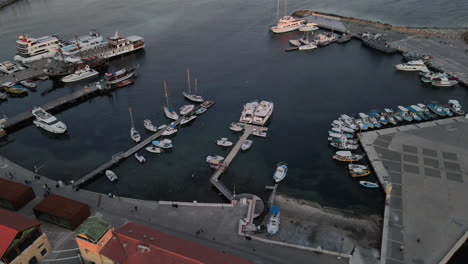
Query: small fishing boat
[
  {"x": 347, "y": 156},
  {"x": 169, "y": 130},
  {"x": 170, "y": 113},
  {"x": 274, "y": 221},
  {"x": 16, "y": 90},
  {"x": 369, "y": 184},
  {"x": 111, "y": 176},
  {"x": 447, "y": 111},
  {"x": 259, "y": 133},
  {"x": 343, "y": 145},
  {"x": 223, "y": 142},
  {"x": 280, "y": 173},
  {"x": 236, "y": 127},
  {"x": 140, "y": 158},
  {"x": 165, "y": 143},
  {"x": 355, "y": 173},
  {"x": 342, "y": 125},
  {"x": 455, "y": 106},
  {"x": 353, "y": 166},
  {"x": 133, "y": 132},
  {"x": 340, "y": 135},
  {"x": 247, "y": 144},
  {"x": 444, "y": 82},
  {"x": 124, "y": 83},
  {"x": 120, "y": 75},
  {"x": 349, "y": 121},
  {"x": 186, "y": 109},
  {"x": 437, "y": 109},
  {"x": 153, "y": 149},
  {"x": 404, "y": 113},
  {"x": 366, "y": 121},
  {"x": 429, "y": 76},
  {"x": 414, "y": 114},
  {"x": 309, "y": 27},
  {"x": 360, "y": 124},
  {"x": 373, "y": 117},
  {"x": 149, "y": 125},
  {"x": 190, "y": 96},
  {"x": 426, "y": 111},
  {"x": 28, "y": 84},
  {"x": 419, "y": 111},
  {"x": 213, "y": 158},
  {"x": 187, "y": 119},
  {"x": 343, "y": 140},
  {"x": 200, "y": 110},
  {"x": 396, "y": 117}
]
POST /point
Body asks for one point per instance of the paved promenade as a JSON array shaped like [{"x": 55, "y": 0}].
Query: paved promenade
[{"x": 425, "y": 167}]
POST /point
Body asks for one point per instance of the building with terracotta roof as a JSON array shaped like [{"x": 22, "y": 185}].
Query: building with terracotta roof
[
  {"x": 91, "y": 237},
  {"x": 14, "y": 195},
  {"x": 136, "y": 244},
  {"x": 21, "y": 239},
  {"x": 62, "y": 211}
]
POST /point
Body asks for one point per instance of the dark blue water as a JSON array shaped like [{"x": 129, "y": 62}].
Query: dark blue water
[{"x": 229, "y": 49}]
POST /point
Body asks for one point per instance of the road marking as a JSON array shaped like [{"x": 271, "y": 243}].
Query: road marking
[
  {"x": 63, "y": 240},
  {"x": 64, "y": 250},
  {"x": 46, "y": 260}
]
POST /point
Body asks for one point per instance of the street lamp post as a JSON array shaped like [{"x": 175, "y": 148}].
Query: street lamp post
[{"x": 341, "y": 247}]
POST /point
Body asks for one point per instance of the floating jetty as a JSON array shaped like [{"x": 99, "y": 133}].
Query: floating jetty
[
  {"x": 248, "y": 130},
  {"x": 91, "y": 89},
  {"x": 130, "y": 152}
]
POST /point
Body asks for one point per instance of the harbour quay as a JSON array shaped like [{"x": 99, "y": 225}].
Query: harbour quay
[{"x": 423, "y": 170}]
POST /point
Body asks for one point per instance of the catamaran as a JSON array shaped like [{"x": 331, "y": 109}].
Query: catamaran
[
  {"x": 190, "y": 96},
  {"x": 170, "y": 113},
  {"x": 133, "y": 132}
]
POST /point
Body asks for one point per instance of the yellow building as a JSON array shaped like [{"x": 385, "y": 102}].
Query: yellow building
[
  {"x": 91, "y": 237},
  {"x": 21, "y": 239}
]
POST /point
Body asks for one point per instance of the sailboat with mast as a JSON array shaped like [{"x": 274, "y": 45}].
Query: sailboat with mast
[
  {"x": 170, "y": 113},
  {"x": 307, "y": 44},
  {"x": 133, "y": 132},
  {"x": 190, "y": 96}
]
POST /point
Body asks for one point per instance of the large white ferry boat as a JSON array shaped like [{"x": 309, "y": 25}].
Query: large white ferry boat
[
  {"x": 248, "y": 112},
  {"x": 83, "y": 43},
  {"x": 32, "y": 49},
  {"x": 48, "y": 122},
  {"x": 286, "y": 24},
  {"x": 262, "y": 113}
]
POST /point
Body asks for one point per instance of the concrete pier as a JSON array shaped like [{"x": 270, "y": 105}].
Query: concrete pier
[{"x": 423, "y": 169}]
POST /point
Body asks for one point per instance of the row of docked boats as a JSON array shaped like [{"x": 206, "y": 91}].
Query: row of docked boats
[
  {"x": 440, "y": 79},
  {"x": 16, "y": 89},
  {"x": 355, "y": 170},
  {"x": 257, "y": 113},
  {"x": 319, "y": 39}
]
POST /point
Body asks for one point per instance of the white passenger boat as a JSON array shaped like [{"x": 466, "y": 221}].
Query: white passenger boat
[
  {"x": 236, "y": 127},
  {"x": 247, "y": 144},
  {"x": 309, "y": 27},
  {"x": 286, "y": 24},
  {"x": 48, "y": 122},
  {"x": 30, "y": 49},
  {"x": 187, "y": 119},
  {"x": 444, "y": 82},
  {"x": 149, "y": 125},
  {"x": 169, "y": 130},
  {"x": 170, "y": 113},
  {"x": 111, "y": 176},
  {"x": 274, "y": 221},
  {"x": 153, "y": 149},
  {"x": 86, "y": 42},
  {"x": 140, "y": 158},
  {"x": 248, "y": 112},
  {"x": 224, "y": 142},
  {"x": 416, "y": 65},
  {"x": 186, "y": 109},
  {"x": 80, "y": 75},
  {"x": 262, "y": 113},
  {"x": 455, "y": 106},
  {"x": 281, "y": 171},
  {"x": 133, "y": 132},
  {"x": 120, "y": 75}
]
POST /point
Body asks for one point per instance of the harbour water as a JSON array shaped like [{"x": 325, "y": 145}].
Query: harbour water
[{"x": 228, "y": 48}]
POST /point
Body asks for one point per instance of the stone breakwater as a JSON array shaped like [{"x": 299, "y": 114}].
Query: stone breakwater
[{"x": 444, "y": 33}]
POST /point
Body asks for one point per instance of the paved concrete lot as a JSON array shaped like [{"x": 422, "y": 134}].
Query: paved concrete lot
[{"x": 427, "y": 165}]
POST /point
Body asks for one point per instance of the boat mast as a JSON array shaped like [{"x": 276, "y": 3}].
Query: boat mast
[
  {"x": 277, "y": 9},
  {"x": 165, "y": 92},
  {"x": 188, "y": 80},
  {"x": 285, "y": 6},
  {"x": 196, "y": 86},
  {"x": 131, "y": 117}
]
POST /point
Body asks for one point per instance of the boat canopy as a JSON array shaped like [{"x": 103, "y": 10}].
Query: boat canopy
[
  {"x": 274, "y": 210},
  {"x": 344, "y": 153},
  {"x": 454, "y": 102}
]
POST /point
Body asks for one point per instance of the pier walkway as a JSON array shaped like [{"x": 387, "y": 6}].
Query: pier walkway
[
  {"x": 423, "y": 168},
  {"x": 248, "y": 130},
  {"x": 88, "y": 90},
  {"x": 35, "y": 69}
]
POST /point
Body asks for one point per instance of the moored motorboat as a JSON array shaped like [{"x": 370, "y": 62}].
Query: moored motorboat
[
  {"x": 164, "y": 144},
  {"x": 111, "y": 175},
  {"x": 353, "y": 166},
  {"x": 281, "y": 171},
  {"x": 169, "y": 130},
  {"x": 153, "y": 149},
  {"x": 357, "y": 172},
  {"x": 369, "y": 184},
  {"x": 429, "y": 76},
  {"x": 414, "y": 114},
  {"x": 262, "y": 113},
  {"x": 444, "y": 82},
  {"x": 404, "y": 113},
  {"x": 437, "y": 109},
  {"x": 81, "y": 74},
  {"x": 186, "y": 109},
  {"x": 455, "y": 106},
  {"x": 248, "y": 112},
  {"x": 365, "y": 120},
  {"x": 200, "y": 110},
  {"x": 120, "y": 75},
  {"x": 187, "y": 119},
  {"x": 286, "y": 24},
  {"x": 215, "y": 161},
  {"x": 124, "y": 83},
  {"x": 427, "y": 111},
  {"x": 140, "y": 158},
  {"x": 149, "y": 125},
  {"x": 416, "y": 65},
  {"x": 236, "y": 126},
  {"x": 47, "y": 121},
  {"x": 247, "y": 144},
  {"x": 273, "y": 221},
  {"x": 28, "y": 84},
  {"x": 259, "y": 133},
  {"x": 344, "y": 145},
  {"x": 308, "y": 46},
  {"x": 309, "y": 27},
  {"x": 419, "y": 111},
  {"x": 16, "y": 90},
  {"x": 224, "y": 142},
  {"x": 347, "y": 156}
]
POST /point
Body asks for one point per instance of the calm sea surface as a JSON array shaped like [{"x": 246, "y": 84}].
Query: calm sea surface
[{"x": 228, "y": 47}]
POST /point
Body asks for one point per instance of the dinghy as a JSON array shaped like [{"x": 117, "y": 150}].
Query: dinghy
[
  {"x": 111, "y": 176},
  {"x": 247, "y": 144},
  {"x": 274, "y": 221},
  {"x": 369, "y": 184},
  {"x": 153, "y": 149},
  {"x": 224, "y": 142},
  {"x": 280, "y": 173},
  {"x": 140, "y": 158}
]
